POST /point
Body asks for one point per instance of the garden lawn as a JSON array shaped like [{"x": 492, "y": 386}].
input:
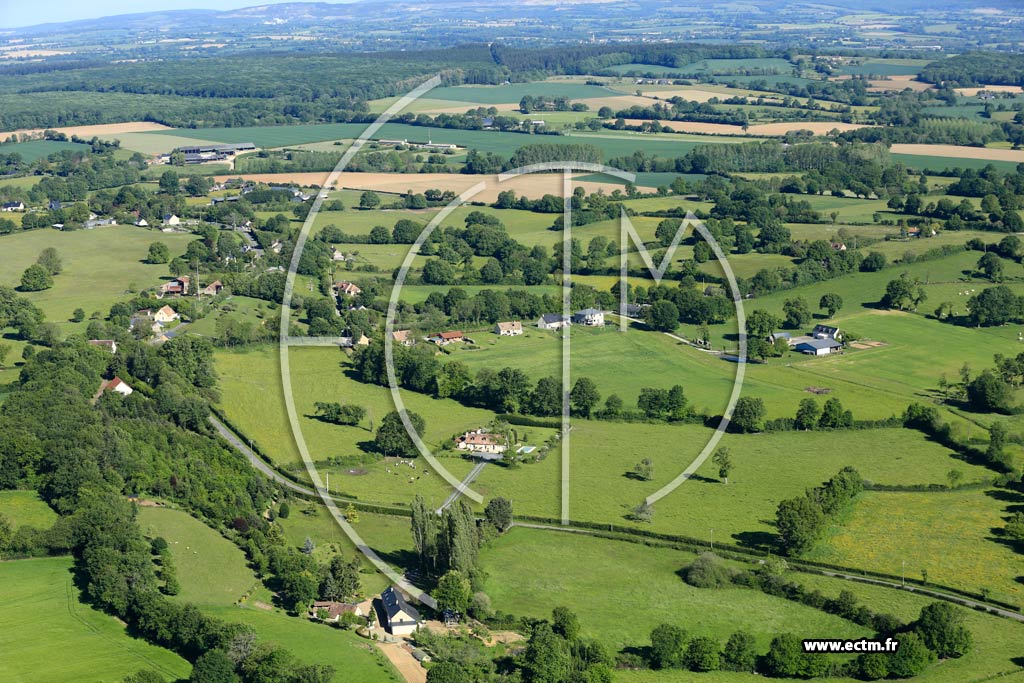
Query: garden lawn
[{"x": 49, "y": 636}]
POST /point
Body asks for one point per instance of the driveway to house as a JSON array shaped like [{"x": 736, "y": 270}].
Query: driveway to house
[{"x": 402, "y": 659}]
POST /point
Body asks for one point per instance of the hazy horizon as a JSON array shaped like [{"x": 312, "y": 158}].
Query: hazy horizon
[{"x": 18, "y": 14}]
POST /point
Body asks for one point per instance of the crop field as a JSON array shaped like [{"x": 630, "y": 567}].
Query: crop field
[
  {"x": 88, "y": 280},
  {"x": 26, "y": 508},
  {"x": 919, "y": 162},
  {"x": 41, "y": 610},
  {"x": 848, "y": 209},
  {"x": 528, "y": 567},
  {"x": 949, "y": 535},
  {"x": 885, "y": 67},
  {"x": 37, "y": 149},
  {"x": 211, "y": 569},
  {"x": 507, "y": 94}
]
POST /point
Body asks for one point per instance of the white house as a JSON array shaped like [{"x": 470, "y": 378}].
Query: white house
[
  {"x": 826, "y": 332},
  {"x": 171, "y": 219},
  {"x": 120, "y": 386},
  {"x": 142, "y": 223},
  {"x": 480, "y": 441},
  {"x": 108, "y": 344},
  {"x": 13, "y": 206},
  {"x": 588, "y": 317},
  {"x": 402, "y": 618},
  {"x": 552, "y": 321},
  {"x": 166, "y": 315},
  {"x": 509, "y": 329}
]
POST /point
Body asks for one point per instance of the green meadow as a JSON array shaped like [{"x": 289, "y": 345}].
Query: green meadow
[
  {"x": 41, "y": 610},
  {"x": 26, "y": 508},
  {"x": 100, "y": 267},
  {"x": 33, "y": 150}
]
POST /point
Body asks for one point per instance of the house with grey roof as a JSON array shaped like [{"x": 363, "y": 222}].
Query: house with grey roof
[
  {"x": 588, "y": 317},
  {"x": 402, "y": 618}
]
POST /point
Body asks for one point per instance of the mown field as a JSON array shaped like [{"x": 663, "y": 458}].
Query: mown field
[
  {"x": 33, "y": 150},
  {"x": 40, "y": 615},
  {"x": 101, "y": 266}
]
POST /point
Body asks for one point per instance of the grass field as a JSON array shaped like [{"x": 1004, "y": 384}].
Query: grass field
[
  {"x": 26, "y": 508},
  {"x": 40, "y": 611},
  {"x": 213, "y": 574},
  {"x": 33, "y": 150},
  {"x": 531, "y": 572},
  {"x": 211, "y": 569},
  {"x": 950, "y": 535},
  {"x": 100, "y": 267}
]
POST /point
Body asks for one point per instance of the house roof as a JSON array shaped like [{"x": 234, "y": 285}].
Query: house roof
[
  {"x": 400, "y": 335},
  {"x": 455, "y": 334},
  {"x": 825, "y": 329},
  {"x": 553, "y": 317},
  {"x": 589, "y": 311},
  {"x": 113, "y": 384},
  {"x": 818, "y": 344},
  {"x": 334, "y": 609},
  {"x": 782, "y": 335},
  {"x": 167, "y": 310},
  {"x": 394, "y": 603},
  {"x": 510, "y": 326},
  {"x": 479, "y": 439}
]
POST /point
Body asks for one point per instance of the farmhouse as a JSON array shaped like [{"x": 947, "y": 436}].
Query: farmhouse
[
  {"x": 631, "y": 310},
  {"x": 118, "y": 385},
  {"x": 333, "y": 609},
  {"x": 818, "y": 347},
  {"x": 445, "y": 338},
  {"x": 166, "y": 315},
  {"x": 403, "y": 337},
  {"x": 401, "y": 617},
  {"x": 482, "y": 442},
  {"x": 171, "y": 219},
  {"x": 142, "y": 223},
  {"x": 176, "y": 287},
  {"x": 588, "y": 317},
  {"x": 13, "y": 206},
  {"x": 347, "y": 288},
  {"x": 552, "y": 321},
  {"x": 510, "y": 329},
  {"x": 108, "y": 344},
  {"x": 212, "y": 289},
  {"x": 826, "y": 332}
]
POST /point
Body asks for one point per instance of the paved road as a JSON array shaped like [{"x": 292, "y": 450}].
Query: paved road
[
  {"x": 256, "y": 461},
  {"x": 473, "y": 474}
]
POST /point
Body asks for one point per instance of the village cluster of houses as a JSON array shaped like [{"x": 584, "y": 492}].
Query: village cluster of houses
[
  {"x": 179, "y": 287},
  {"x": 823, "y": 340},
  {"x": 155, "y": 322}
]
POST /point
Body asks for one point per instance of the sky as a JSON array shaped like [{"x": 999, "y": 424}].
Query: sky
[{"x": 15, "y": 13}]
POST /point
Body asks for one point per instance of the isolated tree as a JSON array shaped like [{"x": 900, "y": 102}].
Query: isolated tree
[
  {"x": 78, "y": 315},
  {"x": 833, "y": 416},
  {"x": 158, "y": 253},
  {"x": 991, "y": 266},
  {"x": 50, "y": 259},
  {"x": 761, "y": 323},
  {"x": 911, "y": 657},
  {"x": 748, "y": 413},
  {"x": 584, "y": 396},
  {"x": 393, "y": 439},
  {"x": 499, "y": 513},
  {"x": 807, "y": 415},
  {"x": 831, "y": 302},
  {"x": 643, "y": 512},
  {"x": 723, "y": 461},
  {"x": 798, "y": 313},
  {"x": 941, "y": 627},
  {"x": 170, "y": 183},
  {"x": 798, "y": 521},
  {"x": 36, "y": 278},
  {"x": 369, "y": 200},
  {"x": 644, "y": 469}
]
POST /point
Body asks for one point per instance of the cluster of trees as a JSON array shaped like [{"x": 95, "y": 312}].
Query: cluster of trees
[
  {"x": 39, "y": 275},
  {"x": 800, "y": 521},
  {"x": 975, "y": 68}
]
